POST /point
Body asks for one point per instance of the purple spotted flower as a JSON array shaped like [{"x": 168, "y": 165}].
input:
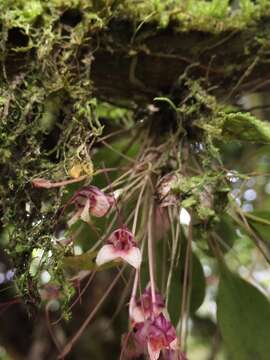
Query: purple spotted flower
[
  {"x": 121, "y": 245},
  {"x": 161, "y": 336},
  {"x": 144, "y": 308},
  {"x": 89, "y": 201},
  {"x": 155, "y": 336}
]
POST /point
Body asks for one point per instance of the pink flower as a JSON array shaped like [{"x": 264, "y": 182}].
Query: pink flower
[
  {"x": 143, "y": 308},
  {"x": 121, "y": 245},
  {"x": 156, "y": 335},
  {"x": 89, "y": 201},
  {"x": 161, "y": 335}
]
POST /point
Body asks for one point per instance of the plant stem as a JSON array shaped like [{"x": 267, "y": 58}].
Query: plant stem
[
  {"x": 151, "y": 257},
  {"x": 133, "y": 293}
]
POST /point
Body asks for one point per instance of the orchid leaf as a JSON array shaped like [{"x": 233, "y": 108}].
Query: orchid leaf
[
  {"x": 85, "y": 261},
  {"x": 243, "y": 314},
  {"x": 259, "y": 220},
  {"x": 197, "y": 288}
]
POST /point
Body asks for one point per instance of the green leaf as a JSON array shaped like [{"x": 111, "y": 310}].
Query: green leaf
[
  {"x": 85, "y": 262},
  {"x": 198, "y": 284},
  {"x": 225, "y": 234},
  {"x": 81, "y": 262},
  {"x": 243, "y": 314},
  {"x": 245, "y": 127},
  {"x": 144, "y": 274},
  {"x": 197, "y": 287},
  {"x": 259, "y": 220}
]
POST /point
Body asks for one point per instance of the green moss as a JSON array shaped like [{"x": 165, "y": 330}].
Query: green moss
[
  {"x": 213, "y": 16},
  {"x": 21, "y": 13},
  {"x": 203, "y": 194},
  {"x": 245, "y": 127},
  {"x": 49, "y": 113},
  {"x": 218, "y": 9},
  {"x": 237, "y": 126}
]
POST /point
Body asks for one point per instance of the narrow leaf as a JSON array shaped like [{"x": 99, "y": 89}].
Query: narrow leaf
[
  {"x": 85, "y": 261},
  {"x": 197, "y": 288},
  {"x": 259, "y": 220}
]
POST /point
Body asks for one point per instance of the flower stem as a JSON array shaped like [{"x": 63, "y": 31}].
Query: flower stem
[
  {"x": 133, "y": 293},
  {"x": 151, "y": 257}
]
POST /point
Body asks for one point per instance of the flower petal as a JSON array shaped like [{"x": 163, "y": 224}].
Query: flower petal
[
  {"x": 74, "y": 218},
  {"x": 106, "y": 253},
  {"x": 85, "y": 215},
  {"x": 174, "y": 344},
  {"x": 132, "y": 256},
  {"x": 138, "y": 315},
  {"x": 102, "y": 206},
  {"x": 153, "y": 354}
]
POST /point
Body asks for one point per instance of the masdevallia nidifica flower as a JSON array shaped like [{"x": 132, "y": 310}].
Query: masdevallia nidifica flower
[
  {"x": 156, "y": 335},
  {"x": 121, "y": 245},
  {"x": 88, "y": 201},
  {"x": 143, "y": 308}
]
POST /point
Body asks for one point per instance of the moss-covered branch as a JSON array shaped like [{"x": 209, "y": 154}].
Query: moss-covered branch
[{"x": 134, "y": 50}]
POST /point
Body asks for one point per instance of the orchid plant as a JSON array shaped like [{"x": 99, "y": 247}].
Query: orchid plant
[
  {"x": 119, "y": 186},
  {"x": 151, "y": 329},
  {"x": 145, "y": 238}
]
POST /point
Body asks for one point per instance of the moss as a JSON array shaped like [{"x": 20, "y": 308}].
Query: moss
[
  {"x": 245, "y": 127},
  {"x": 204, "y": 194},
  {"x": 21, "y": 13},
  {"x": 237, "y": 126},
  {"x": 49, "y": 114},
  {"x": 201, "y": 15}
]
